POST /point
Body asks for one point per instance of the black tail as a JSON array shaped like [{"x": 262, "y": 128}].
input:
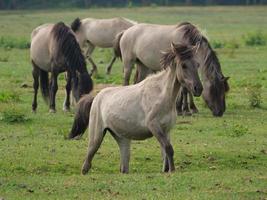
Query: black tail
[
  {"x": 81, "y": 119},
  {"x": 116, "y": 44},
  {"x": 75, "y": 25},
  {"x": 44, "y": 85}
]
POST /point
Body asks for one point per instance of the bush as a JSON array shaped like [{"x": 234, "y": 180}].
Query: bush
[
  {"x": 254, "y": 95},
  {"x": 9, "y": 43},
  {"x": 217, "y": 44},
  {"x": 255, "y": 39},
  {"x": 232, "y": 44},
  {"x": 13, "y": 115}
]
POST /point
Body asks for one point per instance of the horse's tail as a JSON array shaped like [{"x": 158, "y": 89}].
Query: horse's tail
[
  {"x": 81, "y": 119},
  {"x": 44, "y": 84},
  {"x": 116, "y": 45},
  {"x": 75, "y": 25}
]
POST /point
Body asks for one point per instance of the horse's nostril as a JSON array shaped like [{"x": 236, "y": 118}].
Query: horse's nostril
[{"x": 197, "y": 89}]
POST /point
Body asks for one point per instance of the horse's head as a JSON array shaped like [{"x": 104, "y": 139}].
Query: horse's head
[
  {"x": 214, "y": 95},
  {"x": 214, "y": 82},
  {"x": 181, "y": 57},
  {"x": 82, "y": 84}
]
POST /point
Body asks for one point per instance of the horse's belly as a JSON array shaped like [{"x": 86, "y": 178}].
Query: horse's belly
[
  {"x": 131, "y": 131},
  {"x": 101, "y": 39}
]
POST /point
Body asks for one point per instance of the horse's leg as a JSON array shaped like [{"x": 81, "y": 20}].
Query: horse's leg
[
  {"x": 95, "y": 140},
  {"x": 124, "y": 145},
  {"x": 166, "y": 146},
  {"x": 185, "y": 108},
  {"x": 165, "y": 167},
  {"x": 128, "y": 66},
  {"x": 89, "y": 52},
  {"x": 179, "y": 102},
  {"x": 192, "y": 104},
  {"x": 141, "y": 72},
  {"x": 66, "y": 105},
  {"x": 53, "y": 91},
  {"x": 110, "y": 64},
  {"x": 35, "y": 75}
]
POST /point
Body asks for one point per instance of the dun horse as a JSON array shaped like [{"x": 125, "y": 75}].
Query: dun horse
[
  {"x": 93, "y": 33},
  {"x": 143, "y": 43},
  {"x": 140, "y": 111},
  {"x": 55, "y": 49}
]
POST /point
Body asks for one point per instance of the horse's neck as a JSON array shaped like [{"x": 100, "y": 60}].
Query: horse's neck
[
  {"x": 211, "y": 70},
  {"x": 170, "y": 86}
]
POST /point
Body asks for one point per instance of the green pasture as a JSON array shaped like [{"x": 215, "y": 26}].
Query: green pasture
[{"x": 215, "y": 158}]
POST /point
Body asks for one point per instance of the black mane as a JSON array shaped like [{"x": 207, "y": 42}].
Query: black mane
[
  {"x": 68, "y": 47},
  {"x": 75, "y": 25}
]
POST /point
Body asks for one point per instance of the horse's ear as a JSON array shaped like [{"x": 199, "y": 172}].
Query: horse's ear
[
  {"x": 167, "y": 59},
  {"x": 226, "y": 78},
  {"x": 183, "y": 51},
  {"x": 226, "y": 85}
]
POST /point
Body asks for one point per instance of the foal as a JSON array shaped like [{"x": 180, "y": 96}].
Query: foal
[
  {"x": 140, "y": 111},
  {"x": 55, "y": 49}
]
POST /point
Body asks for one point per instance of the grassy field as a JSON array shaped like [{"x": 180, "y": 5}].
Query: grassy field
[{"x": 215, "y": 158}]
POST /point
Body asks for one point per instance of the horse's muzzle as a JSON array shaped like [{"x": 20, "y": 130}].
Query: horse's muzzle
[{"x": 197, "y": 90}]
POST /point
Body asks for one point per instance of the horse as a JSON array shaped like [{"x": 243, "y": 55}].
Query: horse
[
  {"x": 93, "y": 33},
  {"x": 142, "y": 44},
  {"x": 54, "y": 49},
  {"x": 139, "y": 111}
]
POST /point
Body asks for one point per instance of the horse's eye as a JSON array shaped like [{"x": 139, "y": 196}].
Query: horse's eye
[{"x": 184, "y": 66}]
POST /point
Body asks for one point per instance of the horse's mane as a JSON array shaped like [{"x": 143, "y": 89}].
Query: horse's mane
[
  {"x": 75, "y": 25},
  {"x": 196, "y": 38},
  {"x": 68, "y": 47},
  {"x": 183, "y": 52}
]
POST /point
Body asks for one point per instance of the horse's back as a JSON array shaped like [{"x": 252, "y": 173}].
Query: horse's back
[
  {"x": 102, "y": 32},
  {"x": 39, "y": 51},
  {"x": 146, "y": 42}
]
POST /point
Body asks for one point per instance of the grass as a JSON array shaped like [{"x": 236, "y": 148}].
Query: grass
[{"x": 215, "y": 158}]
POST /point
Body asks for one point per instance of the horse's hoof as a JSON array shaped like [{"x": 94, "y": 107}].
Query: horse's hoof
[
  {"x": 52, "y": 111},
  {"x": 84, "y": 170},
  {"x": 187, "y": 113},
  {"x": 194, "y": 110},
  {"x": 86, "y": 167},
  {"x": 34, "y": 111},
  {"x": 66, "y": 109},
  {"x": 179, "y": 113}
]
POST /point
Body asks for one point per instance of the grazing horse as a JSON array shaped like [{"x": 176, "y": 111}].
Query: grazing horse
[
  {"x": 140, "y": 111},
  {"x": 55, "y": 49},
  {"x": 142, "y": 44},
  {"x": 93, "y": 33}
]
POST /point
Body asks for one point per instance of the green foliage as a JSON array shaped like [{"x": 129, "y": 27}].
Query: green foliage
[
  {"x": 232, "y": 44},
  {"x": 13, "y": 115},
  {"x": 254, "y": 95},
  {"x": 215, "y": 158},
  {"x": 10, "y": 42},
  {"x": 4, "y": 59},
  {"x": 255, "y": 39},
  {"x": 239, "y": 130},
  {"x": 217, "y": 44},
  {"x": 9, "y": 96}
]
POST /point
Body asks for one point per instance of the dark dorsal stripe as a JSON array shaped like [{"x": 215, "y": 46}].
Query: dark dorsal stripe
[{"x": 68, "y": 46}]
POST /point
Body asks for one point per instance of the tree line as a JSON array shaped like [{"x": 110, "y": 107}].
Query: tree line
[{"x": 31, "y": 4}]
